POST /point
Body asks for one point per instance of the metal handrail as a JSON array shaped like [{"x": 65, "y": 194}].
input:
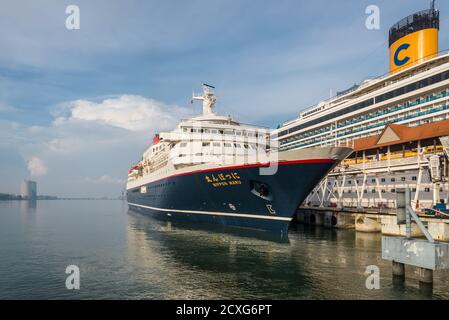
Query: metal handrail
[
  {"x": 439, "y": 54},
  {"x": 418, "y": 21}
]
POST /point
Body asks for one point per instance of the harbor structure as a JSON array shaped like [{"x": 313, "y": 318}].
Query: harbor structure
[
  {"x": 400, "y": 157},
  {"x": 427, "y": 255}
]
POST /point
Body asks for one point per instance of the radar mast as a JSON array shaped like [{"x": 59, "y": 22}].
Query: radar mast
[{"x": 208, "y": 99}]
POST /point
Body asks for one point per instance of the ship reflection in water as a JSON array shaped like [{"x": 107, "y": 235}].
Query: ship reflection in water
[
  {"x": 186, "y": 261},
  {"x": 126, "y": 255}
]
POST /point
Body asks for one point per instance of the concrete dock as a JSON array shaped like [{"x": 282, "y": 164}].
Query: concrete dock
[
  {"x": 381, "y": 220},
  {"x": 410, "y": 239}
]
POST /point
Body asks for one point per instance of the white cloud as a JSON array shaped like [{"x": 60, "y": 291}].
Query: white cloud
[
  {"x": 99, "y": 138},
  {"x": 130, "y": 112},
  {"x": 36, "y": 167}
]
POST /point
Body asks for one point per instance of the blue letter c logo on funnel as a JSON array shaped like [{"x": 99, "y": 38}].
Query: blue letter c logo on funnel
[{"x": 401, "y": 62}]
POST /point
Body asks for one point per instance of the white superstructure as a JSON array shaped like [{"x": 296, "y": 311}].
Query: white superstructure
[
  {"x": 415, "y": 93},
  {"x": 199, "y": 142},
  {"x": 415, "y": 96}
]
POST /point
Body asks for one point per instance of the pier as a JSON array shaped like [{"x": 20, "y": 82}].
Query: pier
[
  {"x": 361, "y": 193},
  {"x": 383, "y": 220},
  {"x": 419, "y": 241}
]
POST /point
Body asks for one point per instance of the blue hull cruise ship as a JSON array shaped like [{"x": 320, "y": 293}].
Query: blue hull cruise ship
[{"x": 212, "y": 169}]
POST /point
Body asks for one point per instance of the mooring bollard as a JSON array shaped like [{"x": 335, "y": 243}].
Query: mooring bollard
[
  {"x": 425, "y": 275},
  {"x": 398, "y": 269}
]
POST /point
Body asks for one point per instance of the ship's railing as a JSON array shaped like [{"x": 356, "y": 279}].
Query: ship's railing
[
  {"x": 237, "y": 125},
  {"x": 216, "y": 137},
  {"x": 365, "y": 128},
  {"x": 386, "y": 163},
  {"x": 368, "y": 203},
  {"x": 440, "y": 54},
  {"x": 418, "y": 21}
]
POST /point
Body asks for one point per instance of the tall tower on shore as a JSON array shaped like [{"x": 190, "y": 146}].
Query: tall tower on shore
[{"x": 28, "y": 190}]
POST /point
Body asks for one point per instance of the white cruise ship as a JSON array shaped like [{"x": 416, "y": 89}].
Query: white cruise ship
[
  {"x": 413, "y": 94},
  {"x": 213, "y": 169}
]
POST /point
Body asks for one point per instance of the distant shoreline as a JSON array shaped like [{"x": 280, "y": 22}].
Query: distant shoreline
[{"x": 44, "y": 199}]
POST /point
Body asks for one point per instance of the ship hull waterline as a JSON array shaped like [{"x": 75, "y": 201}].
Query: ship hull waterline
[{"x": 230, "y": 195}]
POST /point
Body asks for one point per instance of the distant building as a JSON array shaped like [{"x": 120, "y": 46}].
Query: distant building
[{"x": 28, "y": 190}]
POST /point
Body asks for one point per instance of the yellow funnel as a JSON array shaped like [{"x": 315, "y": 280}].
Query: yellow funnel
[{"x": 414, "y": 40}]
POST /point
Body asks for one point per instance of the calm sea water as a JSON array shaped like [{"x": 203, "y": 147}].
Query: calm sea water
[{"x": 127, "y": 255}]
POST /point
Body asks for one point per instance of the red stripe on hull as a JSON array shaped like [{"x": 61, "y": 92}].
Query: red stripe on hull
[
  {"x": 255, "y": 165},
  {"x": 263, "y": 165}
]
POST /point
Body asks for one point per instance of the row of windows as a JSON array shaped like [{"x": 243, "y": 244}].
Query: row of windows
[
  {"x": 161, "y": 185},
  {"x": 384, "y": 190},
  {"x": 222, "y": 131},
  {"x": 414, "y": 178},
  {"x": 369, "y": 116},
  {"x": 158, "y": 147},
  {"x": 332, "y": 115},
  {"x": 381, "y": 124},
  {"x": 146, "y": 189},
  {"x": 383, "y": 97},
  {"x": 226, "y": 145}
]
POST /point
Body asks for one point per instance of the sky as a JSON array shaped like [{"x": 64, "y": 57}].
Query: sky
[{"x": 78, "y": 107}]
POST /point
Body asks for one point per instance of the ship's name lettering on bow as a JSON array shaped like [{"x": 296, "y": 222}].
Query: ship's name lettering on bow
[{"x": 223, "y": 179}]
